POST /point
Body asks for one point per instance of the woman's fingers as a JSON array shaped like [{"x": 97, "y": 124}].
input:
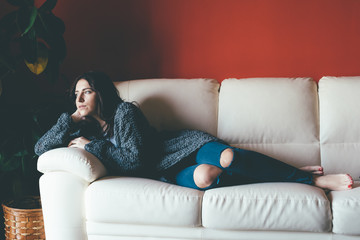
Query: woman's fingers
[
  {"x": 76, "y": 116},
  {"x": 71, "y": 143},
  {"x": 79, "y": 142}
]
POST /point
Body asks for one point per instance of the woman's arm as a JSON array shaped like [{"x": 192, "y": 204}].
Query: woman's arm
[
  {"x": 57, "y": 136},
  {"x": 133, "y": 136}
]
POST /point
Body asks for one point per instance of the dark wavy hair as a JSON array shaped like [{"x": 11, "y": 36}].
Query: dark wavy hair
[{"x": 107, "y": 94}]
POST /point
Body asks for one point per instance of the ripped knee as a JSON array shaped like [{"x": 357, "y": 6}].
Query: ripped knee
[
  {"x": 226, "y": 157},
  {"x": 205, "y": 175}
]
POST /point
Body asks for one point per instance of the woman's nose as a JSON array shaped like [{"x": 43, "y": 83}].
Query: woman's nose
[{"x": 80, "y": 98}]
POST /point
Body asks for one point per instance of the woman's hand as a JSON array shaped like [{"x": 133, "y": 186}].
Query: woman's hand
[
  {"x": 76, "y": 117},
  {"x": 79, "y": 142}
]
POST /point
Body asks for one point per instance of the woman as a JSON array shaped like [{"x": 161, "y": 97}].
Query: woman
[{"x": 120, "y": 136}]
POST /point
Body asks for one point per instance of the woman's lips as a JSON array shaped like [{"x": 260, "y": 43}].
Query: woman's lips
[{"x": 82, "y": 106}]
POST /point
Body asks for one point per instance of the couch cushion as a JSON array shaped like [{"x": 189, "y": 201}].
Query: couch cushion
[
  {"x": 346, "y": 210},
  {"x": 130, "y": 200},
  {"x": 267, "y": 206},
  {"x": 275, "y": 116},
  {"x": 173, "y": 104},
  {"x": 339, "y": 124}
]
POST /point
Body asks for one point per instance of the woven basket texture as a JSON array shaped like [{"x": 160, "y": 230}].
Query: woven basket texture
[{"x": 24, "y": 219}]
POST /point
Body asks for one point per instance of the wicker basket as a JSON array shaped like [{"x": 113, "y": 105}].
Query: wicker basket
[{"x": 24, "y": 219}]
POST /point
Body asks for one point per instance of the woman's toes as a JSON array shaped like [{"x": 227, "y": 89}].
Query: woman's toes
[
  {"x": 317, "y": 170},
  {"x": 349, "y": 179},
  {"x": 318, "y": 173}
]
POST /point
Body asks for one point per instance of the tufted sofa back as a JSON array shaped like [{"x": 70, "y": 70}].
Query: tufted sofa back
[
  {"x": 339, "y": 101},
  {"x": 275, "y": 116},
  {"x": 172, "y": 104},
  {"x": 286, "y": 118}
]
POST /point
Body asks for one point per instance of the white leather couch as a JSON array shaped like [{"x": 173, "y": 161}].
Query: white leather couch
[{"x": 295, "y": 120}]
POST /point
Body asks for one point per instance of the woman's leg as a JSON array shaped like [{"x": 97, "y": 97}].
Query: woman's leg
[
  {"x": 215, "y": 158},
  {"x": 200, "y": 177},
  {"x": 242, "y": 166},
  {"x": 249, "y": 166}
]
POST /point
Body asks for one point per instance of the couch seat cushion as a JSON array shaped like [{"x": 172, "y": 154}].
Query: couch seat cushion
[
  {"x": 346, "y": 210},
  {"x": 267, "y": 206},
  {"x": 142, "y": 201}
]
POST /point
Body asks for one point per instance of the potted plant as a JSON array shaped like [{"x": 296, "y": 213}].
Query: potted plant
[
  {"x": 31, "y": 46},
  {"x": 33, "y": 36}
]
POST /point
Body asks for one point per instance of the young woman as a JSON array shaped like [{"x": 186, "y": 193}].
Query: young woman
[{"x": 119, "y": 135}]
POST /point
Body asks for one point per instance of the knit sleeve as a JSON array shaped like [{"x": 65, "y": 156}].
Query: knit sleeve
[
  {"x": 57, "y": 136},
  {"x": 131, "y": 131}
]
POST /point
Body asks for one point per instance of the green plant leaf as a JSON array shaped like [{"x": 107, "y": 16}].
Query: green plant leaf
[
  {"x": 53, "y": 24},
  {"x": 52, "y": 71},
  {"x": 28, "y": 19},
  {"x": 9, "y": 163},
  {"x": 48, "y": 5},
  {"x": 23, "y": 165},
  {"x": 58, "y": 47},
  {"x": 29, "y": 46},
  {"x": 41, "y": 62},
  {"x": 35, "y": 136},
  {"x": 5, "y": 62},
  {"x": 21, "y": 153}
]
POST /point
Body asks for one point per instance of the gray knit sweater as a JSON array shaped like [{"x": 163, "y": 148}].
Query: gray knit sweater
[{"x": 139, "y": 149}]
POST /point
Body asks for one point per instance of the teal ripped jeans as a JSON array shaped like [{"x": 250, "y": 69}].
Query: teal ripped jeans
[{"x": 246, "y": 167}]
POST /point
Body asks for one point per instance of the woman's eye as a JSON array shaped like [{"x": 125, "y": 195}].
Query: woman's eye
[{"x": 87, "y": 92}]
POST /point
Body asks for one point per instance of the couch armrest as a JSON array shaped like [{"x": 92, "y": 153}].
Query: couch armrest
[
  {"x": 67, "y": 174},
  {"x": 73, "y": 160}
]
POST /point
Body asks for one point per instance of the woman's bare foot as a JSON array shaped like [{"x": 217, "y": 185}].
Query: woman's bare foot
[
  {"x": 335, "y": 182},
  {"x": 316, "y": 170}
]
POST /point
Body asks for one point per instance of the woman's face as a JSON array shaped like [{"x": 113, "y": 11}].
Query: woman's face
[{"x": 86, "y": 99}]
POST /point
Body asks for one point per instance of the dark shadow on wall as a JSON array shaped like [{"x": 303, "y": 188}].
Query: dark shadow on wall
[
  {"x": 111, "y": 36},
  {"x": 142, "y": 56}
]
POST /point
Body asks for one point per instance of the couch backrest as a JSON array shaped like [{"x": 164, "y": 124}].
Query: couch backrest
[
  {"x": 173, "y": 104},
  {"x": 274, "y": 116},
  {"x": 339, "y": 101},
  {"x": 286, "y": 118}
]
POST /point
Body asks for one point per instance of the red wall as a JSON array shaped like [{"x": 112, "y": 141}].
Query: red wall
[{"x": 211, "y": 38}]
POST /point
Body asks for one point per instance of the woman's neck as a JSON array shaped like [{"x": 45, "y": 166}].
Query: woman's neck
[{"x": 102, "y": 123}]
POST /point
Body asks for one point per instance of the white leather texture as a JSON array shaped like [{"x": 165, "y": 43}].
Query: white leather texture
[
  {"x": 267, "y": 206},
  {"x": 275, "y": 116},
  {"x": 62, "y": 198},
  {"x": 261, "y": 235},
  {"x": 111, "y": 231},
  {"x": 346, "y": 210},
  {"x": 73, "y": 160},
  {"x": 142, "y": 201},
  {"x": 143, "y": 231},
  {"x": 339, "y": 124},
  {"x": 173, "y": 104}
]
